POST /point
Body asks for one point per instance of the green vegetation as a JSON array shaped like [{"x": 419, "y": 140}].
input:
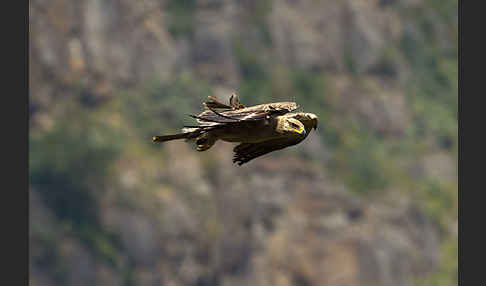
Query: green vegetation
[
  {"x": 70, "y": 166},
  {"x": 260, "y": 11},
  {"x": 68, "y": 161},
  {"x": 181, "y": 17},
  {"x": 447, "y": 272},
  {"x": 162, "y": 105},
  {"x": 256, "y": 78}
]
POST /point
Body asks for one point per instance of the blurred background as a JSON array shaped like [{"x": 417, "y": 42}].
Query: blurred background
[{"x": 368, "y": 199}]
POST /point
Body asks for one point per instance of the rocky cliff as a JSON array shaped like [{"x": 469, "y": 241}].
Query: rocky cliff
[{"x": 369, "y": 199}]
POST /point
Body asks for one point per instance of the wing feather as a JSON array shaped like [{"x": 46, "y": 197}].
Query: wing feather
[
  {"x": 235, "y": 102},
  {"x": 214, "y": 103},
  {"x": 257, "y": 112},
  {"x": 246, "y": 152}
]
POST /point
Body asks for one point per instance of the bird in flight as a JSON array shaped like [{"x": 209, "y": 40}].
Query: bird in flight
[{"x": 259, "y": 129}]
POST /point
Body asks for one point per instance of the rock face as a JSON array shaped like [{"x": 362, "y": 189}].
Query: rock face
[
  {"x": 178, "y": 217},
  {"x": 321, "y": 236},
  {"x": 294, "y": 228},
  {"x": 104, "y": 44},
  {"x": 329, "y": 31}
]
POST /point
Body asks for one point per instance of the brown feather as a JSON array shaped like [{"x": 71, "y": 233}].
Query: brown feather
[
  {"x": 165, "y": 138},
  {"x": 260, "y": 129},
  {"x": 246, "y": 152}
]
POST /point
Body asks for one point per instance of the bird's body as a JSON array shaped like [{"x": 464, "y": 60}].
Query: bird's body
[
  {"x": 260, "y": 129},
  {"x": 248, "y": 132}
]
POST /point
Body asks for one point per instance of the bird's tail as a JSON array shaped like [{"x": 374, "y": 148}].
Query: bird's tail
[
  {"x": 187, "y": 133},
  {"x": 165, "y": 138},
  {"x": 170, "y": 137}
]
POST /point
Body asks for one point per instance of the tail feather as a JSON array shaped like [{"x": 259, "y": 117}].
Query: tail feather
[
  {"x": 187, "y": 133},
  {"x": 171, "y": 137}
]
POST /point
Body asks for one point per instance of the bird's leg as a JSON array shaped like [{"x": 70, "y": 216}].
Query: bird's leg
[{"x": 205, "y": 141}]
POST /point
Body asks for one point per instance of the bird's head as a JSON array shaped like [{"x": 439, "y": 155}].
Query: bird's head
[
  {"x": 308, "y": 119},
  {"x": 291, "y": 126},
  {"x": 313, "y": 119}
]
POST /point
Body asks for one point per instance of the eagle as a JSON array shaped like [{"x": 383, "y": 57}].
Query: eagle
[{"x": 259, "y": 129}]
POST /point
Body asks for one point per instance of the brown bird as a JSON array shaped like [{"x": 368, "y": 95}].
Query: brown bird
[{"x": 260, "y": 129}]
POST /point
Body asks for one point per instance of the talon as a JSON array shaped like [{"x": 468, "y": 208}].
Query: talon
[{"x": 201, "y": 148}]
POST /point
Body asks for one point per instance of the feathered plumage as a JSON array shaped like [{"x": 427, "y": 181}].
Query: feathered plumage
[{"x": 259, "y": 129}]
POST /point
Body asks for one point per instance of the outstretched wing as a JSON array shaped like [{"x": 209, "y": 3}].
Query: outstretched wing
[
  {"x": 245, "y": 114},
  {"x": 246, "y": 152}
]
